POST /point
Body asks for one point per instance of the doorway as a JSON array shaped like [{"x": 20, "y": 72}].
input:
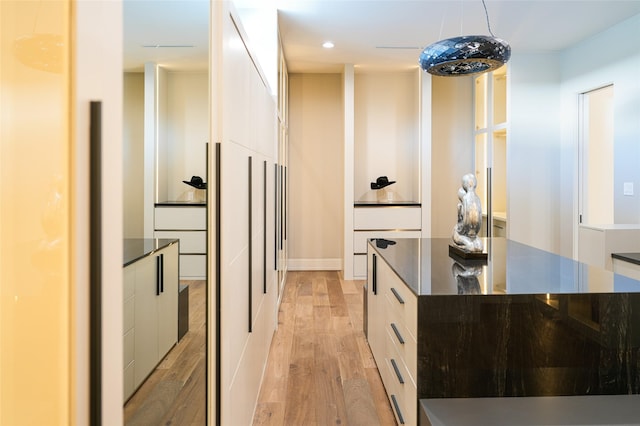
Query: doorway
[{"x": 596, "y": 157}]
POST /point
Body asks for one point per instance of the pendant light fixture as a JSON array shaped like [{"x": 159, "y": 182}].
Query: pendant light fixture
[{"x": 465, "y": 55}]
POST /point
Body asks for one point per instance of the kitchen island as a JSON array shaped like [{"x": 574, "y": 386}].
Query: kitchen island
[
  {"x": 524, "y": 323},
  {"x": 150, "y": 306}
]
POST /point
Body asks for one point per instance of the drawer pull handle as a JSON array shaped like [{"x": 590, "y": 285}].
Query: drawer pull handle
[
  {"x": 398, "y": 335},
  {"x": 397, "y": 295},
  {"x": 375, "y": 274},
  {"x": 397, "y": 370},
  {"x": 397, "y": 408}
]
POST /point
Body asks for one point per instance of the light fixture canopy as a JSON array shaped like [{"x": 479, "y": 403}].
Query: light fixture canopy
[{"x": 465, "y": 55}]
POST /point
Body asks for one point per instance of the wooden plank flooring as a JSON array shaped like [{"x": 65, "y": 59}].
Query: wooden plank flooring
[
  {"x": 320, "y": 369},
  {"x": 174, "y": 394}
]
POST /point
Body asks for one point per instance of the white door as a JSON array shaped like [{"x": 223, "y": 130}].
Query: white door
[{"x": 596, "y": 157}]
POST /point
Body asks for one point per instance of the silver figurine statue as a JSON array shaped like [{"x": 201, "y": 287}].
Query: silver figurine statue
[{"x": 465, "y": 232}]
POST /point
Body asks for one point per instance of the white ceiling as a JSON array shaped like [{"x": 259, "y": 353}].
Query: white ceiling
[{"x": 379, "y": 34}]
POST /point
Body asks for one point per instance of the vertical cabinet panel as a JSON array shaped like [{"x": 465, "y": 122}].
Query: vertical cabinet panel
[
  {"x": 234, "y": 236},
  {"x": 168, "y": 302},
  {"x": 246, "y": 221},
  {"x": 155, "y": 317},
  {"x": 146, "y": 319}
]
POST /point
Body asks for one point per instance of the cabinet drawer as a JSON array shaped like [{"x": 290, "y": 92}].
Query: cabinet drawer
[
  {"x": 191, "y": 242},
  {"x": 128, "y": 310},
  {"x": 193, "y": 266},
  {"x": 359, "y": 266},
  {"x": 128, "y": 282},
  {"x": 179, "y": 218},
  {"x": 129, "y": 383},
  {"x": 408, "y": 351},
  {"x": 403, "y": 307},
  {"x": 360, "y": 238},
  {"x": 389, "y": 218},
  {"x": 398, "y": 382},
  {"x": 128, "y": 347}
]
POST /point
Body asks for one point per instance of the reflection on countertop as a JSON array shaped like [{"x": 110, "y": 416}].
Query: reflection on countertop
[
  {"x": 136, "y": 248},
  {"x": 512, "y": 268}
]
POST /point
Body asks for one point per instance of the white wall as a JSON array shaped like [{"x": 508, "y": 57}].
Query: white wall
[
  {"x": 612, "y": 57},
  {"x": 386, "y": 133},
  {"x": 452, "y": 146},
  {"x": 187, "y": 130},
  {"x": 543, "y": 134},
  {"x": 182, "y": 130},
  {"x": 316, "y": 176},
  {"x": 133, "y": 155},
  {"x": 533, "y": 153}
]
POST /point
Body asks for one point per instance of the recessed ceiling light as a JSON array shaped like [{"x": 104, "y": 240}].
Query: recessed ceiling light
[{"x": 327, "y": 45}]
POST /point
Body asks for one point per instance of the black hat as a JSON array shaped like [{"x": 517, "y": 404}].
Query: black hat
[
  {"x": 381, "y": 182},
  {"x": 383, "y": 243},
  {"x": 196, "y": 182}
]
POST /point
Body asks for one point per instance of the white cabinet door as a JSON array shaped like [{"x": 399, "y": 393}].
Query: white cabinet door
[
  {"x": 168, "y": 301},
  {"x": 128, "y": 329},
  {"x": 146, "y": 318}
]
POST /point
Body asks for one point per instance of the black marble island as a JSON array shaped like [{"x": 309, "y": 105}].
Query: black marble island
[{"x": 524, "y": 323}]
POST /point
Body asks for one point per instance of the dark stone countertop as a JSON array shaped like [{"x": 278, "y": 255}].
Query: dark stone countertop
[
  {"x": 533, "y": 411},
  {"x": 135, "y": 249},
  {"x": 181, "y": 204},
  {"x": 512, "y": 268},
  {"x": 386, "y": 204},
  {"x": 627, "y": 257}
]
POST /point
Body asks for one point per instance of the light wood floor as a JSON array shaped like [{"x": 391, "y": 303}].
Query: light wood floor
[
  {"x": 320, "y": 369},
  {"x": 174, "y": 394}
]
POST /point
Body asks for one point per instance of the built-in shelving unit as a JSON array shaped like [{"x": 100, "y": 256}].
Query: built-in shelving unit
[
  {"x": 490, "y": 130},
  {"x": 385, "y": 140}
]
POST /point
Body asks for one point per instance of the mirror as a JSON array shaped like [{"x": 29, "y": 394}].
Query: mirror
[{"x": 166, "y": 131}]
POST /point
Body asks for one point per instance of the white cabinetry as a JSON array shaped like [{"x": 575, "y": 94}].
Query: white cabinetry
[
  {"x": 392, "y": 335},
  {"x": 150, "y": 313},
  {"x": 490, "y": 130},
  {"x": 596, "y": 243},
  {"x": 243, "y": 193},
  {"x": 379, "y": 221},
  {"x": 387, "y": 140},
  {"x": 188, "y": 223}
]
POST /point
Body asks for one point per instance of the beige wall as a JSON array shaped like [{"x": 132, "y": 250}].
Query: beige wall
[
  {"x": 183, "y": 134},
  {"x": 133, "y": 154},
  {"x": 386, "y": 133},
  {"x": 187, "y": 131},
  {"x": 317, "y": 164},
  {"x": 451, "y": 148}
]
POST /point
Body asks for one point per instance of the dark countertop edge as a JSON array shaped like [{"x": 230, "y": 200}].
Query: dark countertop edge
[
  {"x": 381, "y": 254},
  {"x": 627, "y": 257},
  {"x": 162, "y": 243},
  {"x": 181, "y": 204},
  {"x": 538, "y": 410},
  {"x": 390, "y": 204}
]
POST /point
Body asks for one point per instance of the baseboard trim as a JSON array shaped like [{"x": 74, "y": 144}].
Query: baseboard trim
[{"x": 314, "y": 264}]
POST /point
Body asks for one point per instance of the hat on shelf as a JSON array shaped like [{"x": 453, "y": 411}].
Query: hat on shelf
[
  {"x": 381, "y": 182},
  {"x": 196, "y": 182},
  {"x": 384, "y": 243}
]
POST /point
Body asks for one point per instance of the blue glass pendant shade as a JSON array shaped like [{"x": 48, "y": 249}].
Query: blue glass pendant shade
[{"x": 465, "y": 55}]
